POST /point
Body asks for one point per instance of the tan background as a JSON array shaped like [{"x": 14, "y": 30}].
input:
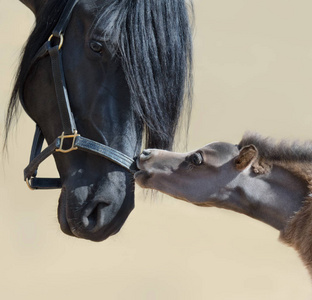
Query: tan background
[{"x": 253, "y": 71}]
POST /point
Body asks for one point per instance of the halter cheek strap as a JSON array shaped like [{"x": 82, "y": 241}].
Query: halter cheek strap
[{"x": 68, "y": 122}]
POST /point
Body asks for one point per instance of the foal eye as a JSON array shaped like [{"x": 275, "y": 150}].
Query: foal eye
[
  {"x": 96, "y": 46},
  {"x": 196, "y": 159}
]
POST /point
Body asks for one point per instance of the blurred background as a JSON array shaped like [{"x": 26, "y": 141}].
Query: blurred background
[{"x": 253, "y": 71}]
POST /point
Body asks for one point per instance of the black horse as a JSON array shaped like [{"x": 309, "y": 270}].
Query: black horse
[{"x": 127, "y": 67}]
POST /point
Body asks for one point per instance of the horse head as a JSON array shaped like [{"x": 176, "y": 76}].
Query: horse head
[{"x": 117, "y": 60}]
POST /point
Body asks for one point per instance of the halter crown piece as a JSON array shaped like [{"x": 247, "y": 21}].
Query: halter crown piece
[{"x": 68, "y": 122}]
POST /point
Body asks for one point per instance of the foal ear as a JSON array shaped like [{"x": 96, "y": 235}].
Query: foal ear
[
  {"x": 34, "y": 5},
  {"x": 246, "y": 157}
]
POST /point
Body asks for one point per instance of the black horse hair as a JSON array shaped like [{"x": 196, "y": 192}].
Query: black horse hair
[{"x": 153, "y": 39}]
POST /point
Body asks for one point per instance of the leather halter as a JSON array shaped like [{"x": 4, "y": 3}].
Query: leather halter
[{"x": 68, "y": 122}]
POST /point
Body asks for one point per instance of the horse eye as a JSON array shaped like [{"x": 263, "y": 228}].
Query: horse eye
[
  {"x": 96, "y": 46},
  {"x": 196, "y": 159}
]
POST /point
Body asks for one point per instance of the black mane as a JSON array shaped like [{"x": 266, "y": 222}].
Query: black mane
[
  {"x": 154, "y": 40},
  {"x": 284, "y": 151}
]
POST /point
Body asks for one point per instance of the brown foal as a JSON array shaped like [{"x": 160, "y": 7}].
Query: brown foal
[{"x": 268, "y": 181}]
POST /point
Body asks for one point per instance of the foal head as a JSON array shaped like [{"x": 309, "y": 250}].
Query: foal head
[
  {"x": 194, "y": 176},
  {"x": 264, "y": 180}
]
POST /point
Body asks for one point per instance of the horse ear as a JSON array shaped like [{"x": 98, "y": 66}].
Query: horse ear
[
  {"x": 34, "y": 5},
  {"x": 246, "y": 157}
]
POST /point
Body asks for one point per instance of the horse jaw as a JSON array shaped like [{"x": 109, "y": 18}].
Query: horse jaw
[{"x": 34, "y": 5}]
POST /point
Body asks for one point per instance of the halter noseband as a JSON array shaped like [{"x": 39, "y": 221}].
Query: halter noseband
[{"x": 68, "y": 122}]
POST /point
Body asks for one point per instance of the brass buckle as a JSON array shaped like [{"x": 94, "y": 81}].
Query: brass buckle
[
  {"x": 70, "y": 136},
  {"x": 61, "y": 37},
  {"x": 29, "y": 184}
]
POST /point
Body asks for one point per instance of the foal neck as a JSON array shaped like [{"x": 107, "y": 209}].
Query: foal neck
[
  {"x": 274, "y": 197},
  {"x": 297, "y": 233}
]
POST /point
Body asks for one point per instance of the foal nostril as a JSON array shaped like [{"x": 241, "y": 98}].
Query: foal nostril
[{"x": 146, "y": 154}]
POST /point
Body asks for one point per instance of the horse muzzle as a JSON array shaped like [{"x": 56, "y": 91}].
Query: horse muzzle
[{"x": 95, "y": 212}]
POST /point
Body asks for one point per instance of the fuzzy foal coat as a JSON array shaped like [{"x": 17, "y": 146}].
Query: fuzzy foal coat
[
  {"x": 298, "y": 233},
  {"x": 296, "y": 158}
]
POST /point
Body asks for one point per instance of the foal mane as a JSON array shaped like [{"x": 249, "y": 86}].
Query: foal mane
[
  {"x": 154, "y": 43},
  {"x": 280, "y": 151}
]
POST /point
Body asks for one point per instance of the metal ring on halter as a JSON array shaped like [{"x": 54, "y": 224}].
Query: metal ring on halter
[
  {"x": 29, "y": 184},
  {"x": 61, "y": 37},
  {"x": 70, "y": 136}
]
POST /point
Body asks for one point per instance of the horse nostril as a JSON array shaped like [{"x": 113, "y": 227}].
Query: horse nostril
[
  {"x": 93, "y": 218},
  {"x": 146, "y": 154}
]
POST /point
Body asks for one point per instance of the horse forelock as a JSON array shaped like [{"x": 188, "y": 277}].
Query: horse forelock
[{"x": 153, "y": 40}]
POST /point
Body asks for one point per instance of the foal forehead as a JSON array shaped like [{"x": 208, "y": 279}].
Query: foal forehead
[{"x": 221, "y": 149}]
